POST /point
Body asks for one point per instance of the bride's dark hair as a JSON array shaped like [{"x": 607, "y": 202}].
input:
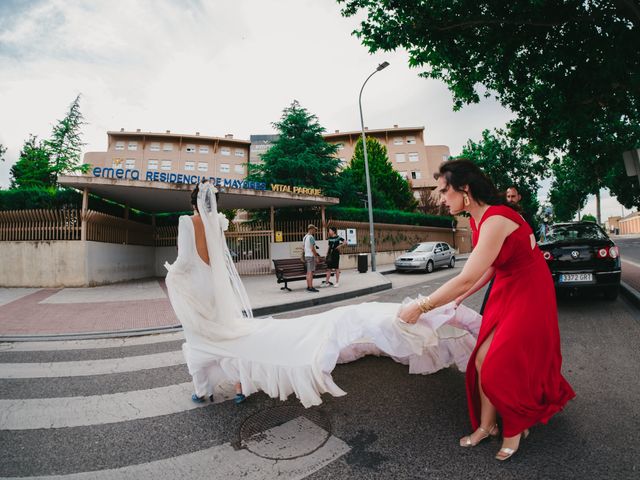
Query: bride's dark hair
[
  {"x": 194, "y": 195},
  {"x": 461, "y": 171}
]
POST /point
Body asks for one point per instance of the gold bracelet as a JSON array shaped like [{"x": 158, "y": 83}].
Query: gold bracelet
[{"x": 424, "y": 304}]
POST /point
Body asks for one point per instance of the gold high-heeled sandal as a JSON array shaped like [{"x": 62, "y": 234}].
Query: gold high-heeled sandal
[
  {"x": 492, "y": 432},
  {"x": 507, "y": 452}
]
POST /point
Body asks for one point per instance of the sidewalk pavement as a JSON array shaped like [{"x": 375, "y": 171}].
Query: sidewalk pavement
[{"x": 142, "y": 306}]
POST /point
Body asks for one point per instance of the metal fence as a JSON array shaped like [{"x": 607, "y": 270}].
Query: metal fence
[{"x": 34, "y": 225}]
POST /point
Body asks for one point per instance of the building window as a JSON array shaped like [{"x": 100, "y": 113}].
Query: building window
[
  {"x": 117, "y": 162},
  {"x": 340, "y": 146},
  {"x": 400, "y": 157},
  {"x": 224, "y": 168},
  {"x": 397, "y": 141},
  {"x": 403, "y": 174},
  {"x": 416, "y": 175},
  {"x": 167, "y": 147},
  {"x": 343, "y": 161},
  {"x": 119, "y": 145},
  {"x": 445, "y": 158},
  {"x": 239, "y": 152},
  {"x": 203, "y": 166},
  {"x": 189, "y": 166},
  {"x": 204, "y": 149},
  {"x": 133, "y": 146},
  {"x": 239, "y": 168},
  {"x": 226, "y": 151},
  {"x": 413, "y": 157},
  {"x": 191, "y": 149},
  {"x": 152, "y": 165},
  {"x": 411, "y": 140},
  {"x": 130, "y": 163},
  {"x": 154, "y": 147},
  {"x": 165, "y": 165}
]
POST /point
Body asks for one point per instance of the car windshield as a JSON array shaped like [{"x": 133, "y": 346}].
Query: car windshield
[
  {"x": 422, "y": 247},
  {"x": 561, "y": 233}
]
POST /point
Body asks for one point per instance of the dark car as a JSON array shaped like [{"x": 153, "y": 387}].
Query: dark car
[{"x": 581, "y": 256}]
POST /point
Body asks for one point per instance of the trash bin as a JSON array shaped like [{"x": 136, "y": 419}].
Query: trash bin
[{"x": 363, "y": 260}]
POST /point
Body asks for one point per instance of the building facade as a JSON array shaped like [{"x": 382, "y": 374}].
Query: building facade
[{"x": 168, "y": 155}]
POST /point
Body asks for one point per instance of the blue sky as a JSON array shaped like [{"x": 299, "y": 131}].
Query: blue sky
[{"x": 214, "y": 67}]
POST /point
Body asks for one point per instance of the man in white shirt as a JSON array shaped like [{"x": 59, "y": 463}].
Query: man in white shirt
[{"x": 310, "y": 256}]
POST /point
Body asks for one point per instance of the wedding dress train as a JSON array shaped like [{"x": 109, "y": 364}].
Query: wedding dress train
[{"x": 296, "y": 355}]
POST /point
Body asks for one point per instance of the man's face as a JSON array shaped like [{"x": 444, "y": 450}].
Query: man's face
[{"x": 513, "y": 196}]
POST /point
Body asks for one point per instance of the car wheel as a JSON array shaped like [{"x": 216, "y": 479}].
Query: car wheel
[
  {"x": 429, "y": 267},
  {"x": 611, "y": 293},
  {"x": 452, "y": 262}
]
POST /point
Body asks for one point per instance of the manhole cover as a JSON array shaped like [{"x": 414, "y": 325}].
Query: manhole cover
[{"x": 285, "y": 432}]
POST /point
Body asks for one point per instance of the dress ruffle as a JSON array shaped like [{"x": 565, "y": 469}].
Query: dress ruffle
[{"x": 298, "y": 355}]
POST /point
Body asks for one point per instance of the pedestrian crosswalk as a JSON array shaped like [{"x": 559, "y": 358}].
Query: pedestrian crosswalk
[{"x": 139, "y": 433}]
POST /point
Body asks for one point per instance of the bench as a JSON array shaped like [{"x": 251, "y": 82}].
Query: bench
[{"x": 292, "y": 269}]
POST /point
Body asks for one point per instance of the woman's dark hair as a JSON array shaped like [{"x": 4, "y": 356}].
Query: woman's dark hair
[
  {"x": 194, "y": 195},
  {"x": 460, "y": 172}
]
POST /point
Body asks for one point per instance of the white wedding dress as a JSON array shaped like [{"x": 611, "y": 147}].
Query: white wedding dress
[{"x": 296, "y": 355}]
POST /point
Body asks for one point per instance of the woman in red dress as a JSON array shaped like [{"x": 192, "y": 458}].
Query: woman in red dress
[{"x": 514, "y": 370}]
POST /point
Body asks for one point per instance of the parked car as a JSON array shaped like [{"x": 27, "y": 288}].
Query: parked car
[
  {"x": 426, "y": 256},
  {"x": 581, "y": 256}
]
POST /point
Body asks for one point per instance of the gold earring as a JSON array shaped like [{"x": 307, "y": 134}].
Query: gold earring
[{"x": 465, "y": 199}]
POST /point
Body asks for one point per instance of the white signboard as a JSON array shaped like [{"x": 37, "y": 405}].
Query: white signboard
[{"x": 351, "y": 237}]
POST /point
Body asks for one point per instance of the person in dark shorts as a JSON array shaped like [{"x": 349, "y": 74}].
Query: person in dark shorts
[{"x": 333, "y": 257}]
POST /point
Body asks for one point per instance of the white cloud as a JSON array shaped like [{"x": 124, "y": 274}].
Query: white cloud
[{"x": 223, "y": 66}]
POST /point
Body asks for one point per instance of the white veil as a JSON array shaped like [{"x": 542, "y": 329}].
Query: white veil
[{"x": 231, "y": 299}]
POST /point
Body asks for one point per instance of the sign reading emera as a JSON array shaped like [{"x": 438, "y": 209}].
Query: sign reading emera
[{"x": 132, "y": 174}]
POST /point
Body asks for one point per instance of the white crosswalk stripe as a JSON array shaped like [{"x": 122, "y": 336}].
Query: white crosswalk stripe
[{"x": 91, "y": 367}]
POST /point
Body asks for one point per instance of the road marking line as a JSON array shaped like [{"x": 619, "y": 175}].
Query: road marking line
[
  {"x": 29, "y": 414},
  {"x": 51, "y": 345},
  {"x": 223, "y": 462},
  {"x": 630, "y": 262},
  {"x": 91, "y": 367}
]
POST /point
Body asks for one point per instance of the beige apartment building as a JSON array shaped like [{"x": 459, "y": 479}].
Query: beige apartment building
[
  {"x": 179, "y": 158},
  {"x": 170, "y": 157},
  {"x": 407, "y": 152}
]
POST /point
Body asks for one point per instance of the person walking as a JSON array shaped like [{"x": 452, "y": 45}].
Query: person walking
[
  {"x": 333, "y": 257},
  {"x": 515, "y": 368},
  {"x": 310, "y": 256}
]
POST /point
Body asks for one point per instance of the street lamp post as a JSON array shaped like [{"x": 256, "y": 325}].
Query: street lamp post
[{"x": 366, "y": 169}]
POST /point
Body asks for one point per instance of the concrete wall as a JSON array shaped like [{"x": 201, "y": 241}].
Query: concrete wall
[
  {"x": 43, "y": 264},
  {"x": 64, "y": 263},
  {"x": 164, "y": 254},
  {"x": 109, "y": 262}
]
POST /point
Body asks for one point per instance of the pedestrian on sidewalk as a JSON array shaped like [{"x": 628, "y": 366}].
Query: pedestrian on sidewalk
[
  {"x": 333, "y": 257},
  {"x": 310, "y": 256}
]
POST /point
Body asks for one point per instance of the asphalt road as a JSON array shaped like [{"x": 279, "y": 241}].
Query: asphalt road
[
  {"x": 394, "y": 425},
  {"x": 629, "y": 248}
]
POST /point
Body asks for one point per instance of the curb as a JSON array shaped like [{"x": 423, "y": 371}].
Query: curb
[
  {"x": 312, "y": 302},
  {"x": 630, "y": 294},
  {"x": 258, "y": 312}
]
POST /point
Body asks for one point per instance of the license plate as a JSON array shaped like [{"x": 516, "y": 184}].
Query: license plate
[{"x": 576, "y": 277}]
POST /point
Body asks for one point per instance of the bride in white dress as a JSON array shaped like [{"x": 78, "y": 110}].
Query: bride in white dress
[{"x": 297, "y": 355}]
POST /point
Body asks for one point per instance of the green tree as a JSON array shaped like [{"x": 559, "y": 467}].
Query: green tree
[
  {"x": 65, "y": 144},
  {"x": 32, "y": 170},
  {"x": 3, "y": 150},
  {"x": 589, "y": 218},
  {"x": 300, "y": 156},
  {"x": 389, "y": 190},
  {"x": 567, "y": 69},
  {"x": 508, "y": 163},
  {"x": 569, "y": 190}
]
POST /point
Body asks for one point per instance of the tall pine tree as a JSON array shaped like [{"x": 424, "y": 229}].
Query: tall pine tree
[
  {"x": 389, "y": 190},
  {"x": 300, "y": 156}
]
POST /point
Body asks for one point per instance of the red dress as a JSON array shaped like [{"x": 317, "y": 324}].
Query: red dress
[{"x": 521, "y": 371}]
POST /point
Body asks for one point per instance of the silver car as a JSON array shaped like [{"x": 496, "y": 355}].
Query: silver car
[{"x": 426, "y": 256}]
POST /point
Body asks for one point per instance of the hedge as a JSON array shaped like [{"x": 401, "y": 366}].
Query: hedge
[{"x": 389, "y": 216}]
